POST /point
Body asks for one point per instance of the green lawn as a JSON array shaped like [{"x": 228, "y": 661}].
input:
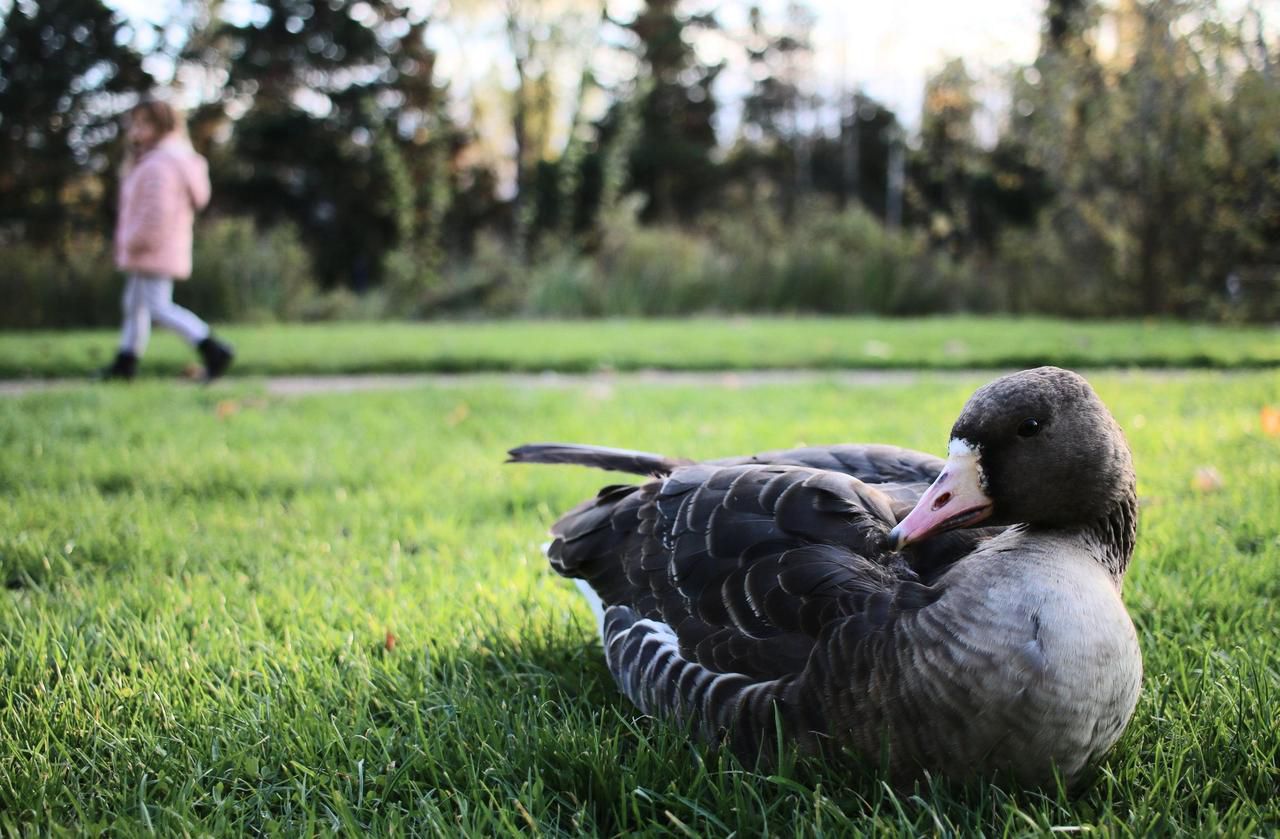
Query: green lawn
[
  {"x": 229, "y": 613},
  {"x": 698, "y": 344}
]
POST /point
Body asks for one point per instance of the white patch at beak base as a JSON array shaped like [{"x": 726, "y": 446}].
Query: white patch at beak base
[{"x": 957, "y": 498}]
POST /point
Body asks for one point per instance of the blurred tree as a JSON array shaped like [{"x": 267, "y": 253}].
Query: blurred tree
[
  {"x": 66, "y": 73},
  {"x": 854, "y": 167},
  {"x": 672, "y": 160},
  {"x": 528, "y": 94},
  {"x": 548, "y": 40},
  {"x": 775, "y": 149},
  {"x": 944, "y": 167},
  {"x": 572, "y": 187},
  {"x": 782, "y": 144},
  {"x": 1065, "y": 23},
  {"x": 420, "y": 130},
  {"x": 1137, "y": 169},
  {"x": 1242, "y": 254},
  {"x": 604, "y": 171},
  {"x": 963, "y": 194},
  {"x": 340, "y": 114},
  {"x": 1150, "y": 144}
]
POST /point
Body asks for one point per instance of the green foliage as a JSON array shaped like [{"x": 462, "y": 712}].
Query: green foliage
[
  {"x": 844, "y": 262},
  {"x": 653, "y": 271},
  {"x": 241, "y": 273},
  {"x": 342, "y": 96},
  {"x": 74, "y": 284},
  {"x": 63, "y": 67},
  {"x": 229, "y": 614},
  {"x": 1044, "y": 269},
  {"x": 671, "y": 158},
  {"x": 561, "y": 284},
  {"x": 1164, "y": 157},
  {"x": 411, "y": 278},
  {"x": 824, "y": 262}
]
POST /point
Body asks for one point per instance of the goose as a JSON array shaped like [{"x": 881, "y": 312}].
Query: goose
[{"x": 960, "y": 618}]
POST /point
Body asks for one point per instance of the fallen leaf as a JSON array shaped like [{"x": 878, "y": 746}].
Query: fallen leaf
[
  {"x": 600, "y": 391},
  {"x": 877, "y": 349},
  {"x": 390, "y": 642},
  {"x": 460, "y": 412},
  {"x": 192, "y": 371},
  {"x": 1270, "y": 421},
  {"x": 226, "y": 408},
  {"x": 1207, "y": 479}
]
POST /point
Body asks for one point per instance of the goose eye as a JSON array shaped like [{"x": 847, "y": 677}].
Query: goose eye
[{"x": 1029, "y": 427}]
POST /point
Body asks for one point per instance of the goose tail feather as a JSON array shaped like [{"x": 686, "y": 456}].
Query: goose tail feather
[{"x": 599, "y": 457}]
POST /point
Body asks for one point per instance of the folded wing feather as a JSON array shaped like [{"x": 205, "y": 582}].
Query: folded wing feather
[{"x": 720, "y": 578}]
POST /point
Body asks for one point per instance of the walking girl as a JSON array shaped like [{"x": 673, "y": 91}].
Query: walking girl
[{"x": 164, "y": 184}]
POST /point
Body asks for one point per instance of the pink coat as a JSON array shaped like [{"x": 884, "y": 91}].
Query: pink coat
[{"x": 159, "y": 198}]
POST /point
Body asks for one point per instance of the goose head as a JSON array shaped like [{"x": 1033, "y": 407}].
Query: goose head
[{"x": 1037, "y": 447}]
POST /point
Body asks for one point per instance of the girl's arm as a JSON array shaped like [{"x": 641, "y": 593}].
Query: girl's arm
[{"x": 198, "y": 183}]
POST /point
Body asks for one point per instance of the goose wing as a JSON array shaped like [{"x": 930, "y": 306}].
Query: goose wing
[
  {"x": 720, "y": 579},
  {"x": 754, "y": 549}
]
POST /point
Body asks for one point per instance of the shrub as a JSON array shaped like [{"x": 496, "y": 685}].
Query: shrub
[
  {"x": 824, "y": 262},
  {"x": 242, "y": 273},
  {"x": 73, "y": 284},
  {"x": 657, "y": 271},
  {"x": 820, "y": 261},
  {"x": 411, "y": 281},
  {"x": 1059, "y": 270},
  {"x": 835, "y": 262},
  {"x": 563, "y": 283}
]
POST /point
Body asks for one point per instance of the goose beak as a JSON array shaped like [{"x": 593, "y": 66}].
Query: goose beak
[{"x": 954, "y": 500}]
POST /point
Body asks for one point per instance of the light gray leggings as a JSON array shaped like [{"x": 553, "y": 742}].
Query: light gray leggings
[{"x": 151, "y": 298}]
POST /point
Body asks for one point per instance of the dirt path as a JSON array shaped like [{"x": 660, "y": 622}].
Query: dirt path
[{"x": 306, "y": 385}]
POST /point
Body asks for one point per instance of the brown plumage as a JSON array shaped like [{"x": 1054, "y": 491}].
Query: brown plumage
[{"x": 744, "y": 594}]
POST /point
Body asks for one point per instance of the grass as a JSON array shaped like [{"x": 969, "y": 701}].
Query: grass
[
  {"x": 228, "y": 613},
  {"x": 697, "y": 344}
]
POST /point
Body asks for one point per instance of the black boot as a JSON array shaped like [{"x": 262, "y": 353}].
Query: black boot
[
  {"x": 217, "y": 357},
  {"x": 124, "y": 367}
]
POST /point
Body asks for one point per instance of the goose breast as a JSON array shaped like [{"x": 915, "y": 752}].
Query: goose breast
[{"x": 1028, "y": 663}]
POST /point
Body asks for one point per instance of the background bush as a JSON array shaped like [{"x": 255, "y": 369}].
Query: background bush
[
  {"x": 822, "y": 261},
  {"x": 73, "y": 284},
  {"x": 240, "y": 274}
]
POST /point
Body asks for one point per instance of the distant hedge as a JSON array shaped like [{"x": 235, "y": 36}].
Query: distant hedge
[{"x": 823, "y": 262}]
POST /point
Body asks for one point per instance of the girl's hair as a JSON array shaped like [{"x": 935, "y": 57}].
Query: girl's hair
[
  {"x": 166, "y": 119},
  {"x": 159, "y": 113}
]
